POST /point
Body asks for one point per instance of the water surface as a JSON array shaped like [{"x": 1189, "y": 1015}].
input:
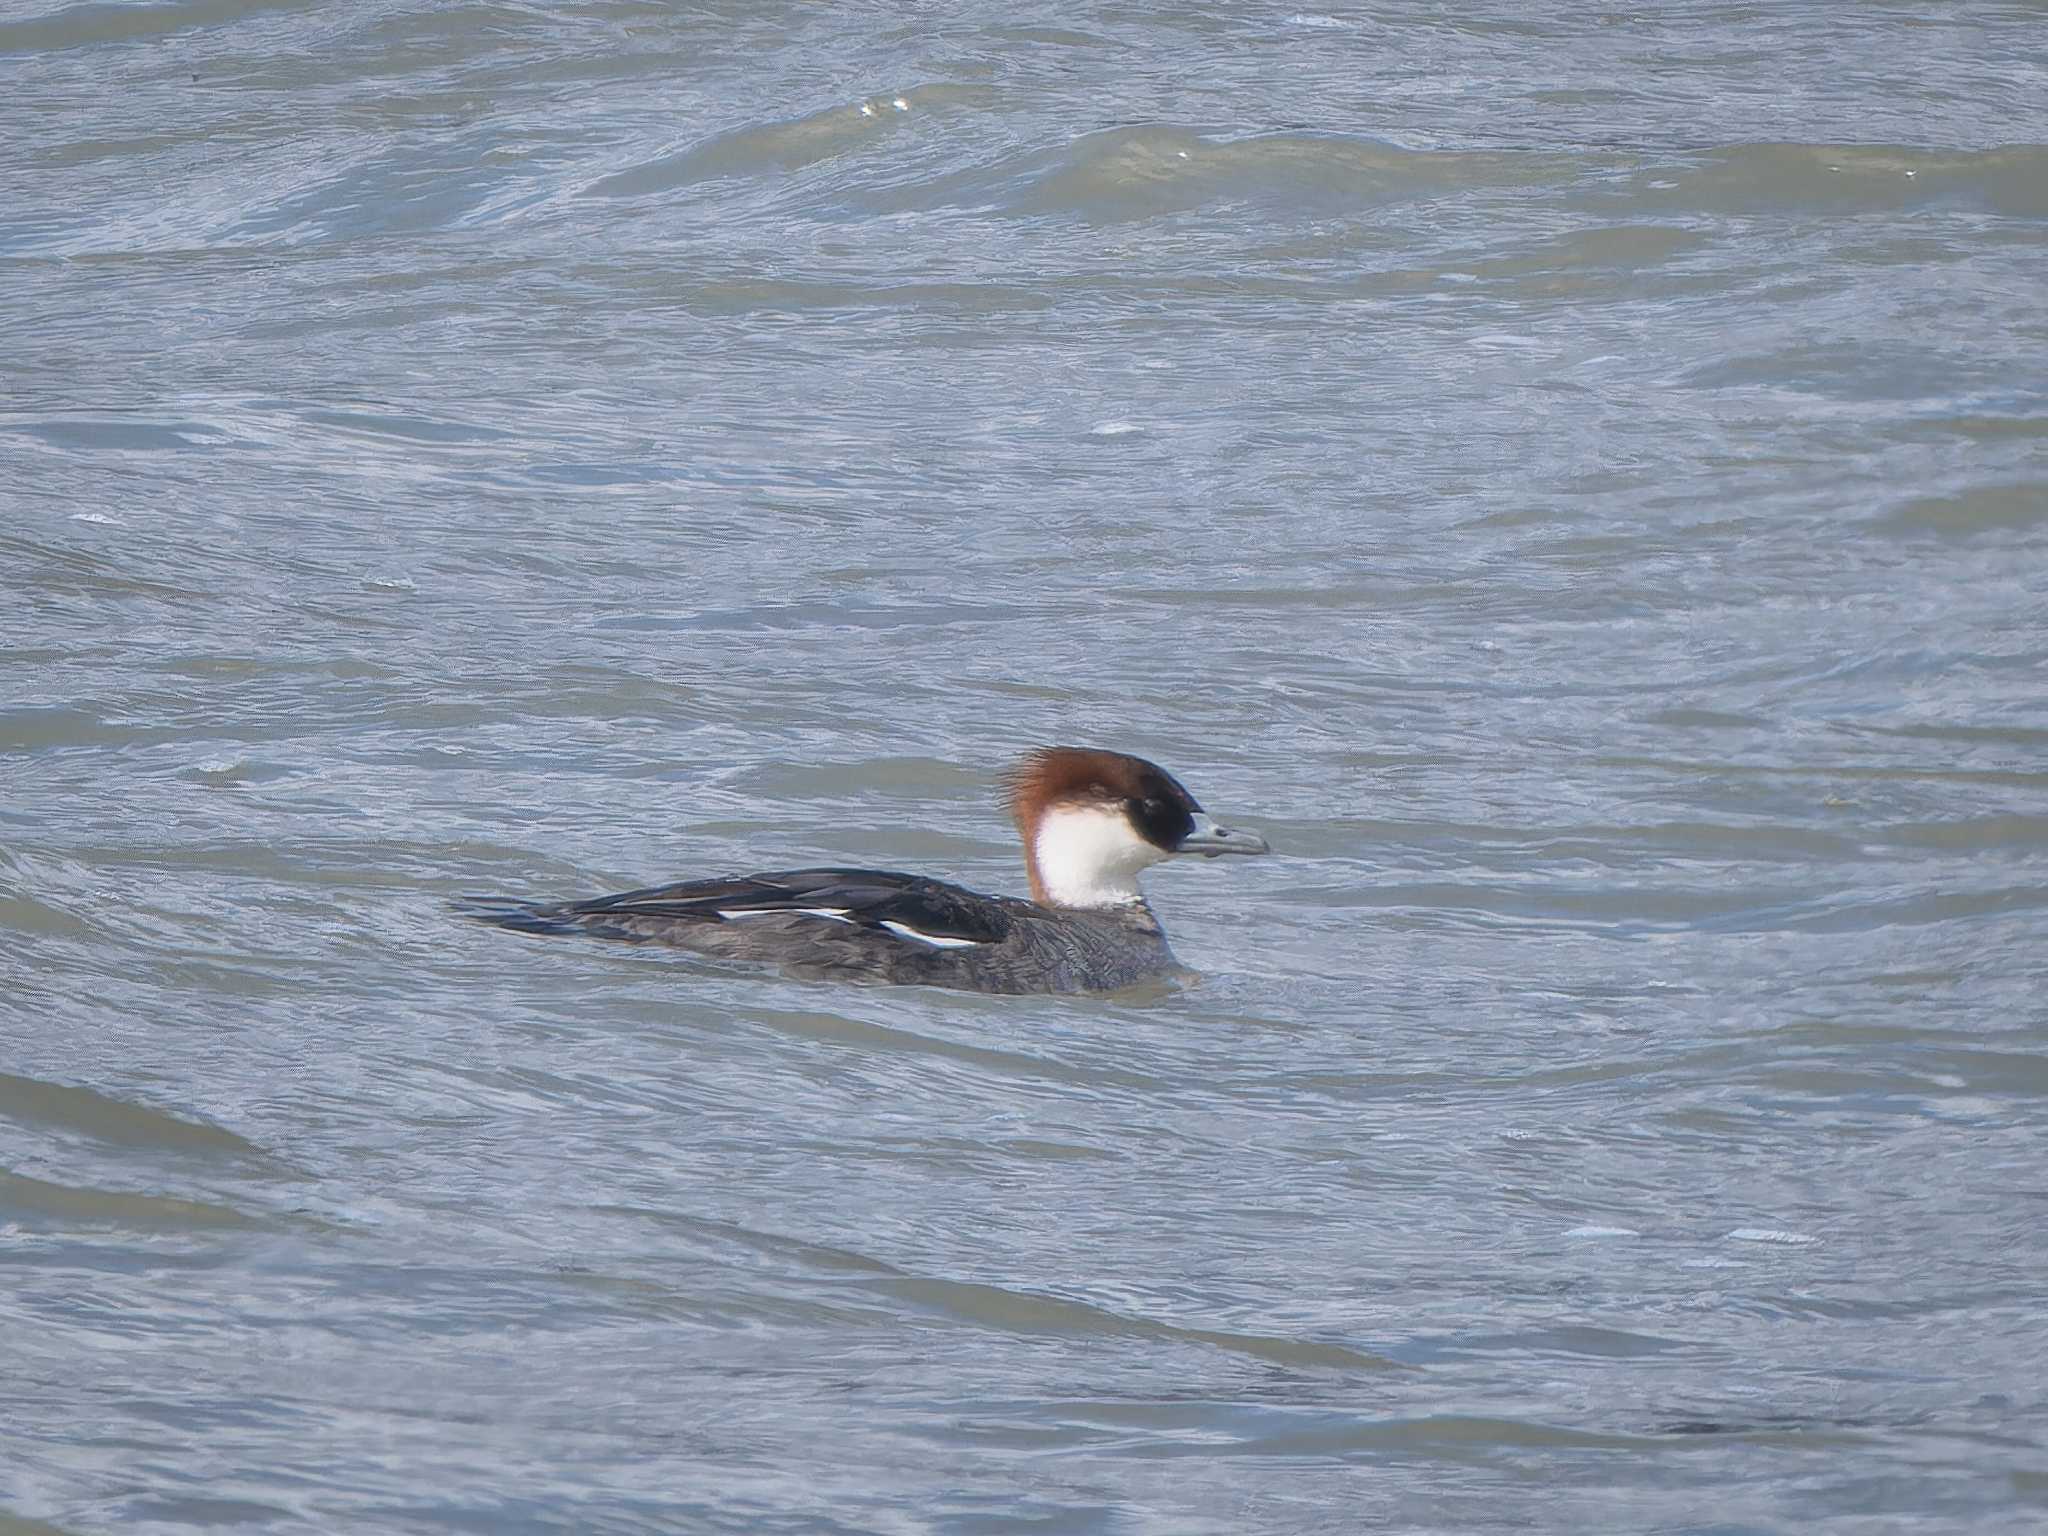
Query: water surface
[{"x": 1573, "y": 480}]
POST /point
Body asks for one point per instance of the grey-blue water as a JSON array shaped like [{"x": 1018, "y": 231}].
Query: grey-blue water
[{"x": 1575, "y": 479}]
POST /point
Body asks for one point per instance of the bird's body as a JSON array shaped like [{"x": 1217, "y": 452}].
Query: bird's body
[{"x": 1091, "y": 820}]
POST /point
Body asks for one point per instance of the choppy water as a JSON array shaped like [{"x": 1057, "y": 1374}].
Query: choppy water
[{"x": 1574, "y": 479}]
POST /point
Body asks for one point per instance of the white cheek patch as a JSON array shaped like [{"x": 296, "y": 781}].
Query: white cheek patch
[
  {"x": 837, "y": 914},
  {"x": 1090, "y": 856},
  {"x": 936, "y": 940}
]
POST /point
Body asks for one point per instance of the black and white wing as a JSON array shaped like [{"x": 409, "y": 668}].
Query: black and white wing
[{"x": 909, "y": 909}]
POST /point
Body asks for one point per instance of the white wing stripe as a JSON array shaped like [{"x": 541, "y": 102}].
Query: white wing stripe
[
  {"x": 937, "y": 941},
  {"x": 837, "y": 914}
]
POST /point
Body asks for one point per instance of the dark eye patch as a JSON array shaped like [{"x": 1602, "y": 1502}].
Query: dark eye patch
[{"x": 1162, "y": 811}]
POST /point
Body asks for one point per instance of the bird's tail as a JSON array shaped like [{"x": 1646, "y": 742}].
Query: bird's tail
[{"x": 519, "y": 916}]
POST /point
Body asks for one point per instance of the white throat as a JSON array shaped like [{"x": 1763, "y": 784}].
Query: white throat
[{"x": 1090, "y": 855}]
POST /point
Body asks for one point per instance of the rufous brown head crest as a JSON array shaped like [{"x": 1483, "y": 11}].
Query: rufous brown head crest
[{"x": 1159, "y": 809}]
